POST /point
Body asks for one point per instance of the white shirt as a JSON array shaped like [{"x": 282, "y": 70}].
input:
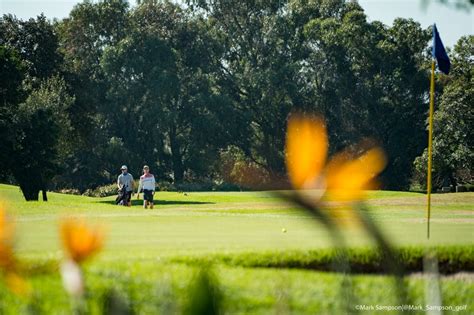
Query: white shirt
[{"x": 147, "y": 182}]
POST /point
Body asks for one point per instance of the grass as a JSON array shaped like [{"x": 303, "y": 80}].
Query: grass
[
  {"x": 215, "y": 222},
  {"x": 451, "y": 259},
  {"x": 151, "y": 255},
  {"x": 153, "y": 288}
]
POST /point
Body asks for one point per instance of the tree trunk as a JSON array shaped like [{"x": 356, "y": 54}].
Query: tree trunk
[
  {"x": 178, "y": 168},
  {"x": 30, "y": 193},
  {"x": 45, "y": 197},
  {"x": 275, "y": 163}
]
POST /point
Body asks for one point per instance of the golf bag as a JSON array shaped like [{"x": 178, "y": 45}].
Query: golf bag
[{"x": 122, "y": 196}]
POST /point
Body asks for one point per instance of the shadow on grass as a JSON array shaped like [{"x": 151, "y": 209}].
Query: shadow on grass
[
  {"x": 451, "y": 259},
  {"x": 136, "y": 202}
]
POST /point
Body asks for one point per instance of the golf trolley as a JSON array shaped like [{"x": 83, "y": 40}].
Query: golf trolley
[{"x": 122, "y": 197}]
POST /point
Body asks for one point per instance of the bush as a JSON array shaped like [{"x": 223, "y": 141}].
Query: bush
[
  {"x": 227, "y": 187},
  {"x": 102, "y": 191},
  {"x": 237, "y": 168},
  {"x": 69, "y": 191},
  {"x": 207, "y": 186},
  {"x": 195, "y": 186},
  {"x": 105, "y": 191},
  {"x": 165, "y": 186},
  {"x": 111, "y": 190}
]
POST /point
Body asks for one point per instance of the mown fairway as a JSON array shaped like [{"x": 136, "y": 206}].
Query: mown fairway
[
  {"x": 204, "y": 222},
  {"x": 140, "y": 242}
]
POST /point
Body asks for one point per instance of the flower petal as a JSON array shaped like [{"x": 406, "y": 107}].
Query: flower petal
[
  {"x": 346, "y": 179},
  {"x": 7, "y": 254},
  {"x": 17, "y": 284},
  {"x": 80, "y": 240},
  {"x": 306, "y": 150}
]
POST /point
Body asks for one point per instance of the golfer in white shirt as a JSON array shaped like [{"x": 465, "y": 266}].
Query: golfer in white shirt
[{"x": 147, "y": 183}]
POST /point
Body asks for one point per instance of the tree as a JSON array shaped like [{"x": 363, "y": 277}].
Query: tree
[
  {"x": 404, "y": 96},
  {"x": 258, "y": 70},
  {"x": 142, "y": 78},
  {"x": 340, "y": 71},
  {"x": 453, "y": 157},
  {"x": 458, "y": 4},
  {"x": 184, "y": 88},
  {"x": 12, "y": 73},
  {"x": 369, "y": 81},
  {"x": 160, "y": 85},
  {"x": 36, "y": 43},
  {"x": 89, "y": 29},
  {"x": 201, "y": 119},
  {"x": 41, "y": 133}
]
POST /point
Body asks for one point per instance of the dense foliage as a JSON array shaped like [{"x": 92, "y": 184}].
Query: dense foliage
[
  {"x": 202, "y": 91},
  {"x": 453, "y": 141}
]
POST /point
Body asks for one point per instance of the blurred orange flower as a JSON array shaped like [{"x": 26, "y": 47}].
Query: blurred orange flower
[
  {"x": 345, "y": 178},
  {"x": 306, "y": 150},
  {"x": 8, "y": 261},
  {"x": 17, "y": 284},
  {"x": 81, "y": 240},
  {"x": 7, "y": 258}
]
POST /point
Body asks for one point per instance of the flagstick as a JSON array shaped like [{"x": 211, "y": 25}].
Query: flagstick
[{"x": 430, "y": 144}]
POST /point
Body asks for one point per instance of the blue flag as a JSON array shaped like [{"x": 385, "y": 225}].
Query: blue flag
[{"x": 440, "y": 53}]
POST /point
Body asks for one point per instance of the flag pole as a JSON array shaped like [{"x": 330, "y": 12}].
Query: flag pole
[{"x": 430, "y": 144}]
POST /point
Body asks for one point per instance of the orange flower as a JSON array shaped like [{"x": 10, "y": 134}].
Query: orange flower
[
  {"x": 17, "y": 284},
  {"x": 306, "y": 150},
  {"x": 8, "y": 261},
  {"x": 7, "y": 257},
  {"x": 345, "y": 178},
  {"x": 80, "y": 240}
]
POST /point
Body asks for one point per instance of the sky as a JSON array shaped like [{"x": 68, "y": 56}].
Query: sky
[{"x": 452, "y": 23}]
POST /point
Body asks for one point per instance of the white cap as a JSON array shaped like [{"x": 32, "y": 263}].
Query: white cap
[{"x": 124, "y": 167}]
